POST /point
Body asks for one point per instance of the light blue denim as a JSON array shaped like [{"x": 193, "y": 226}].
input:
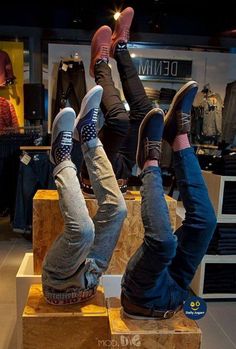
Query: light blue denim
[
  {"x": 159, "y": 273},
  {"x": 83, "y": 251}
]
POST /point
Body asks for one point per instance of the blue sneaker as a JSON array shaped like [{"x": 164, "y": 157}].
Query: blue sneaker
[
  {"x": 149, "y": 137},
  {"x": 178, "y": 117},
  {"x": 85, "y": 123},
  {"x": 62, "y": 131}
]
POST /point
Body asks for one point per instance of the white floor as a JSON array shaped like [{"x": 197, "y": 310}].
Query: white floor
[{"x": 218, "y": 326}]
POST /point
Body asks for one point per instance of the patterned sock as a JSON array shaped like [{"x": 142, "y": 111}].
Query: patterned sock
[
  {"x": 181, "y": 142},
  {"x": 121, "y": 46},
  {"x": 63, "y": 152},
  {"x": 88, "y": 132}
]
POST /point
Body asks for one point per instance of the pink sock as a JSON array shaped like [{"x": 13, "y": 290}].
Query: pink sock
[
  {"x": 181, "y": 142},
  {"x": 150, "y": 163}
]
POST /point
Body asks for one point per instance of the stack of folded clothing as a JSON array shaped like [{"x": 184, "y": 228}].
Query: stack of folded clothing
[
  {"x": 152, "y": 94},
  {"x": 229, "y": 198},
  {"x": 226, "y": 165},
  {"x": 166, "y": 95},
  {"x": 224, "y": 240},
  {"x": 220, "y": 278}
]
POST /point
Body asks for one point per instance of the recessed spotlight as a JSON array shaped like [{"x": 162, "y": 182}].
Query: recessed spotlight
[{"x": 116, "y": 15}]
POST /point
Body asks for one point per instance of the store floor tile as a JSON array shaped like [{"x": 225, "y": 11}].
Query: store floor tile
[
  {"x": 218, "y": 326},
  {"x": 224, "y": 314}
]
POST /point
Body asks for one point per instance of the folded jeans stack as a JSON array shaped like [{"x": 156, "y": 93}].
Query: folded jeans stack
[{"x": 224, "y": 240}]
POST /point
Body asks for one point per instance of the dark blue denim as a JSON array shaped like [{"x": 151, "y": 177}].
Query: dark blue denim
[
  {"x": 159, "y": 273},
  {"x": 36, "y": 175}
]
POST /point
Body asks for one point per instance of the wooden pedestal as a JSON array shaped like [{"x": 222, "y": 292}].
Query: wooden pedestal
[
  {"x": 64, "y": 327},
  {"x": 48, "y": 224},
  {"x": 179, "y": 332}
]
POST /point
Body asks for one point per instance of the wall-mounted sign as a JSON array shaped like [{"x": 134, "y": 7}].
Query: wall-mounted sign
[{"x": 163, "y": 69}]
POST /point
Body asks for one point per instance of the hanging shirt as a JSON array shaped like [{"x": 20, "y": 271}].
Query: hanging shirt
[
  {"x": 8, "y": 116},
  {"x": 6, "y": 71},
  {"x": 211, "y": 105}
]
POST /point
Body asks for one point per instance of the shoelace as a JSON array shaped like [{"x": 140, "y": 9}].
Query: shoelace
[
  {"x": 104, "y": 52},
  {"x": 126, "y": 33},
  {"x": 183, "y": 120},
  {"x": 66, "y": 138},
  {"x": 95, "y": 115},
  {"x": 152, "y": 145}
]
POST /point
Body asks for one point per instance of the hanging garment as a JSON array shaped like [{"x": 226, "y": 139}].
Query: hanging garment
[
  {"x": 197, "y": 114},
  {"x": 9, "y": 166},
  {"x": 212, "y": 105},
  {"x": 33, "y": 175},
  {"x": 229, "y": 113},
  {"x": 6, "y": 71},
  {"x": 71, "y": 86},
  {"x": 8, "y": 116}
]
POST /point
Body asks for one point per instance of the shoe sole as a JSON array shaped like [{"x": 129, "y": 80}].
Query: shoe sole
[
  {"x": 62, "y": 113},
  {"x": 85, "y": 106},
  {"x": 176, "y": 100},
  {"x": 141, "y": 127}
]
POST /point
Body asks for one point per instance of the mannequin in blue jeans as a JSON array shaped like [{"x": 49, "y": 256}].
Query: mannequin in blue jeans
[
  {"x": 156, "y": 280},
  {"x": 157, "y": 277},
  {"x": 77, "y": 258}
]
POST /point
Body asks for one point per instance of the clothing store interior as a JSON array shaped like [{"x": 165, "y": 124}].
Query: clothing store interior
[{"x": 45, "y": 53}]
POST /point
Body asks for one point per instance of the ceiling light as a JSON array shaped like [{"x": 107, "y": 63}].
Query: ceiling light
[{"x": 116, "y": 16}]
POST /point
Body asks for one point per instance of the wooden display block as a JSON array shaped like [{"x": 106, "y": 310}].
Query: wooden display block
[
  {"x": 216, "y": 186},
  {"x": 76, "y": 326},
  {"x": 48, "y": 224},
  {"x": 179, "y": 332}
]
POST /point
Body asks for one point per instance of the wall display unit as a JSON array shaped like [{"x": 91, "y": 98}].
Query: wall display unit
[
  {"x": 215, "y": 277},
  {"x": 160, "y": 70}
]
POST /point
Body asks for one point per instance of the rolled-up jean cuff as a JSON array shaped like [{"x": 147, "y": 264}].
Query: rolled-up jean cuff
[
  {"x": 62, "y": 165},
  {"x": 93, "y": 143}
]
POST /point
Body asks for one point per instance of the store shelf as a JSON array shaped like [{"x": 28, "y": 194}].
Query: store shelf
[
  {"x": 216, "y": 187},
  {"x": 212, "y": 264},
  {"x": 198, "y": 281}
]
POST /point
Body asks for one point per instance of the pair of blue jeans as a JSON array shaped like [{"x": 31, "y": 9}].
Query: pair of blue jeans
[
  {"x": 159, "y": 273},
  {"x": 83, "y": 251},
  {"x": 37, "y": 174}
]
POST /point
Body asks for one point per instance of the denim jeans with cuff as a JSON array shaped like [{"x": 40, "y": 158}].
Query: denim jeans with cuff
[
  {"x": 83, "y": 251},
  {"x": 159, "y": 273}
]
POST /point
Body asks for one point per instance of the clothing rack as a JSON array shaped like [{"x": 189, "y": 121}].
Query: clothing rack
[
  {"x": 73, "y": 58},
  {"x": 35, "y": 148},
  {"x": 23, "y": 130}
]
